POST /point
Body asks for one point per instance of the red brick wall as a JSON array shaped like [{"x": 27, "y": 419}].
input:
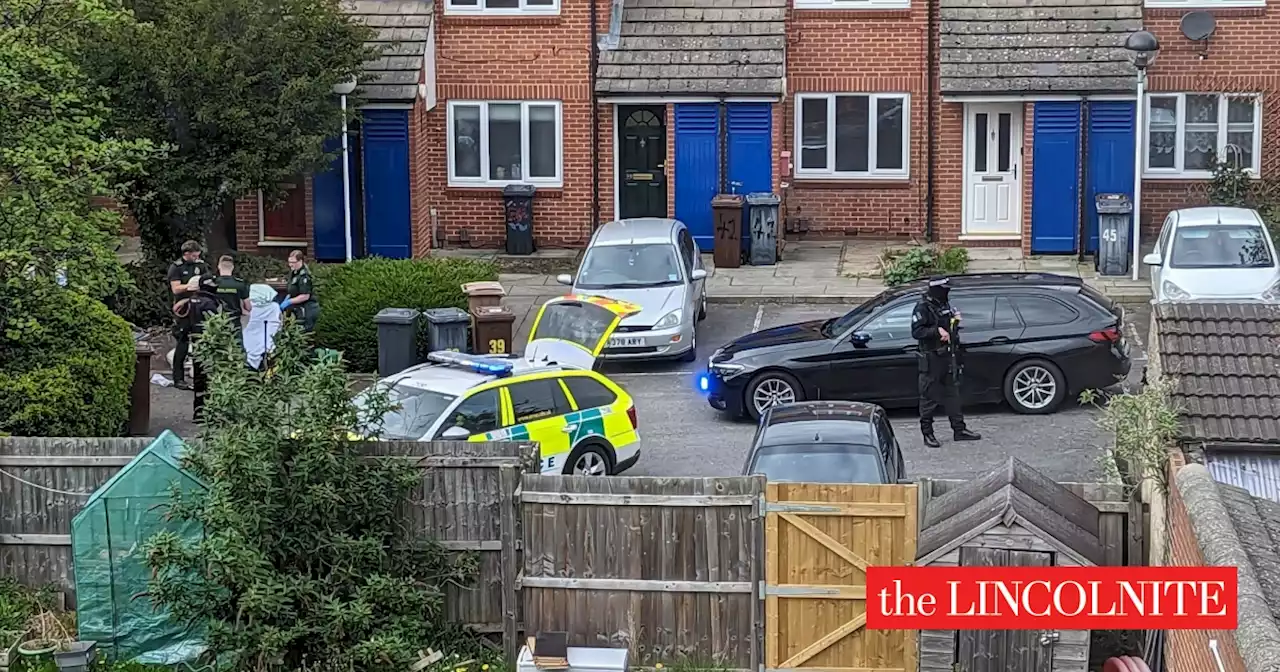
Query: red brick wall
[
  {"x": 514, "y": 58},
  {"x": 1240, "y": 57},
  {"x": 855, "y": 51},
  {"x": 1188, "y": 650}
]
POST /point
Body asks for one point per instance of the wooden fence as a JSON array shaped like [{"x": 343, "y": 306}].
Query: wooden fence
[
  {"x": 666, "y": 566},
  {"x": 1122, "y": 525},
  {"x": 466, "y": 500}
]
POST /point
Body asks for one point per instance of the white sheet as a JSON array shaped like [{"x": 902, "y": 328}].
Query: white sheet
[{"x": 260, "y": 332}]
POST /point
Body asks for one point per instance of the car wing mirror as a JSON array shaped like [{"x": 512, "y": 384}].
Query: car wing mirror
[
  {"x": 698, "y": 274},
  {"x": 565, "y": 279},
  {"x": 456, "y": 432},
  {"x": 860, "y": 338},
  {"x": 1152, "y": 259}
]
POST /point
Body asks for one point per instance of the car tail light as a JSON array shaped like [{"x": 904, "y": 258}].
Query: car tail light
[
  {"x": 631, "y": 415},
  {"x": 1108, "y": 335}
]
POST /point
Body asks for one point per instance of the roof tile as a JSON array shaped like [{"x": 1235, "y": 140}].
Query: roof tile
[{"x": 402, "y": 28}]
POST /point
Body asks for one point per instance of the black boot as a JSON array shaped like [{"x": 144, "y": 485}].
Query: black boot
[
  {"x": 967, "y": 435},
  {"x": 931, "y": 440}
]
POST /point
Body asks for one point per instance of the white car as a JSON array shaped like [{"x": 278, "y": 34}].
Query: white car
[{"x": 1214, "y": 254}]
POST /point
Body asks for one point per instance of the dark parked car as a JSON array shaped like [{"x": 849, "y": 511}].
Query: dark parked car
[
  {"x": 1030, "y": 339},
  {"x": 826, "y": 442}
]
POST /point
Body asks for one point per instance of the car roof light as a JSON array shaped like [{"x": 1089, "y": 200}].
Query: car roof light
[{"x": 480, "y": 364}]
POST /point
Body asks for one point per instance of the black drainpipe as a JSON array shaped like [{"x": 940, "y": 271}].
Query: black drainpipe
[
  {"x": 1082, "y": 235},
  {"x": 931, "y": 51},
  {"x": 595, "y": 122}
]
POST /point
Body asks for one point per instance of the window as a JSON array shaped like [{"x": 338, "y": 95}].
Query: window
[
  {"x": 537, "y": 400},
  {"x": 852, "y": 135},
  {"x": 1205, "y": 4},
  {"x": 1042, "y": 312},
  {"x": 1186, "y": 132},
  {"x": 589, "y": 393},
  {"x": 1220, "y": 246},
  {"x": 629, "y": 266},
  {"x": 686, "y": 250},
  {"x": 892, "y": 324},
  {"x": 500, "y": 143},
  {"x": 1006, "y": 317},
  {"x": 502, "y": 7},
  {"x": 477, "y": 414},
  {"x": 976, "y": 312},
  {"x": 413, "y": 411},
  {"x": 852, "y": 4}
]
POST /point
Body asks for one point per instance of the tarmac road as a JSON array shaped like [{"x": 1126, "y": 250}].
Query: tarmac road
[{"x": 683, "y": 436}]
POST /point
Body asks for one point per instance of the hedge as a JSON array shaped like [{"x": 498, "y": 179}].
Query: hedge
[
  {"x": 72, "y": 377},
  {"x": 351, "y": 294}
]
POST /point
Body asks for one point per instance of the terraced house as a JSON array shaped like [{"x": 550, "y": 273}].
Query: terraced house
[{"x": 981, "y": 122}]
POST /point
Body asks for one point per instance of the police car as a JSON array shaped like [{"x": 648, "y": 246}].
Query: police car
[{"x": 584, "y": 423}]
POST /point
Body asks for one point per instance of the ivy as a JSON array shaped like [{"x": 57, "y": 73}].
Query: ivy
[
  {"x": 1232, "y": 185},
  {"x": 921, "y": 261}
]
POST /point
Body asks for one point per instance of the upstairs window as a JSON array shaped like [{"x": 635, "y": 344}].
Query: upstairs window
[
  {"x": 502, "y": 7},
  {"x": 852, "y": 136},
  {"x": 1187, "y": 131}
]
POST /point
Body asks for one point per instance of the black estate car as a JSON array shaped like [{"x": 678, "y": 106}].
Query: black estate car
[
  {"x": 826, "y": 442},
  {"x": 1029, "y": 339}
]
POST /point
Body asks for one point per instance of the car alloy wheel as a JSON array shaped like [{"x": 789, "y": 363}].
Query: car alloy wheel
[
  {"x": 770, "y": 392},
  {"x": 590, "y": 463},
  {"x": 1034, "y": 387}
]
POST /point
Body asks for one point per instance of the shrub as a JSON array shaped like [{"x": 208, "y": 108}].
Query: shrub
[
  {"x": 923, "y": 260},
  {"x": 351, "y": 294},
  {"x": 69, "y": 375}
]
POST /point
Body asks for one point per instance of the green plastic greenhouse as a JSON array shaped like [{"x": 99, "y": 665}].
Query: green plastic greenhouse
[{"x": 107, "y": 540}]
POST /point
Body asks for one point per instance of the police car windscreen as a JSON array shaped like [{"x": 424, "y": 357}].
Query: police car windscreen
[
  {"x": 414, "y": 411},
  {"x": 576, "y": 321},
  {"x": 820, "y": 463},
  {"x": 629, "y": 266}
]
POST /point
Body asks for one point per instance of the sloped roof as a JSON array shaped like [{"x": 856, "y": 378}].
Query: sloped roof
[
  {"x": 1012, "y": 493},
  {"x": 403, "y": 29},
  {"x": 1234, "y": 529},
  {"x": 696, "y": 47},
  {"x": 1046, "y": 46},
  {"x": 1225, "y": 359}
]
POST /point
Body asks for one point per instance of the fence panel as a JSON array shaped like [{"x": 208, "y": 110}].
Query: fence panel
[{"x": 669, "y": 567}]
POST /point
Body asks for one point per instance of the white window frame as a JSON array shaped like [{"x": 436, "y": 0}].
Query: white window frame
[
  {"x": 1204, "y": 4},
  {"x": 830, "y": 171},
  {"x": 523, "y": 10},
  {"x": 852, "y": 4},
  {"x": 1177, "y": 171},
  {"x": 483, "y": 181}
]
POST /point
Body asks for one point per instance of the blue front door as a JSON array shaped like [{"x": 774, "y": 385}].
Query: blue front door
[
  {"x": 749, "y": 146},
  {"x": 326, "y": 200},
  {"x": 1112, "y": 139},
  {"x": 1055, "y": 178},
  {"x": 385, "y": 146},
  {"x": 697, "y": 166}
]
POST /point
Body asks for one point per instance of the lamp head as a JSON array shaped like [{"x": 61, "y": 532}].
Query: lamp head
[
  {"x": 1144, "y": 46},
  {"x": 345, "y": 88}
]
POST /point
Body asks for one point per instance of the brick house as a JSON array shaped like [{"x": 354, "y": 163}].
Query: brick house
[{"x": 1224, "y": 494}]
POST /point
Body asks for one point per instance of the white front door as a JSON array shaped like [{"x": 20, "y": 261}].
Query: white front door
[{"x": 992, "y": 166}]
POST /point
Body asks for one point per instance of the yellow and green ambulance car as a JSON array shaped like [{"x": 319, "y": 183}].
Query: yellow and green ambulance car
[{"x": 584, "y": 423}]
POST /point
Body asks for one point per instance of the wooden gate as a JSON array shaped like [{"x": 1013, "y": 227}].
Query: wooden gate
[{"x": 819, "y": 540}]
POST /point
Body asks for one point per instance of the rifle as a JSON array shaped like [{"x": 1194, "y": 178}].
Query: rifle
[{"x": 954, "y": 349}]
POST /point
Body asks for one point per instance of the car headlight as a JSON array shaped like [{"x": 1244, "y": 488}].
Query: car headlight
[
  {"x": 1272, "y": 293},
  {"x": 726, "y": 369},
  {"x": 1173, "y": 292},
  {"x": 669, "y": 320}
]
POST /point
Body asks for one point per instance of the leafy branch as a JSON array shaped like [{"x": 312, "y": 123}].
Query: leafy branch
[{"x": 1145, "y": 426}]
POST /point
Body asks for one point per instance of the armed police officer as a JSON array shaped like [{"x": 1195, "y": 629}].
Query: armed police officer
[
  {"x": 180, "y": 275},
  {"x": 937, "y": 329}
]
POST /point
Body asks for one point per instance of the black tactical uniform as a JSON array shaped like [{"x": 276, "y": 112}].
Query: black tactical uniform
[
  {"x": 182, "y": 271},
  {"x": 232, "y": 292},
  {"x": 195, "y": 308},
  {"x": 939, "y": 362},
  {"x": 306, "y": 312}
]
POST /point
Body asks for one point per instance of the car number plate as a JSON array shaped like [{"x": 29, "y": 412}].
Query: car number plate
[{"x": 623, "y": 342}]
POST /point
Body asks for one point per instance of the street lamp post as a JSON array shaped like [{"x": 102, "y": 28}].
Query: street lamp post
[
  {"x": 1144, "y": 46},
  {"x": 344, "y": 89}
]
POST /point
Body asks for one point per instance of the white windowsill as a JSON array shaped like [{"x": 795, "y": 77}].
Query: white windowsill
[
  {"x": 845, "y": 177},
  {"x": 1198, "y": 176},
  {"x": 279, "y": 242},
  {"x": 508, "y": 13},
  {"x": 503, "y": 185},
  {"x": 855, "y": 6},
  {"x": 991, "y": 236},
  {"x": 1204, "y": 4}
]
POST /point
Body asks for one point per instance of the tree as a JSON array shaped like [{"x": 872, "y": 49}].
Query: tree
[
  {"x": 242, "y": 91},
  {"x": 304, "y": 562},
  {"x": 57, "y": 152}
]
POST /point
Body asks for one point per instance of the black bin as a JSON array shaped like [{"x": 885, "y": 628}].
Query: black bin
[
  {"x": 448, "y": 329},
  {"x": 517, "y": 203},
  {"x": 397, "y": 340}
]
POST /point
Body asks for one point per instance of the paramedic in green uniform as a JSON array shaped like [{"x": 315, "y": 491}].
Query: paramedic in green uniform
[
  {"x": 233, "y": 294},
  {"x": 180, "y": 274},
  {"x": 301, "y": 300}
]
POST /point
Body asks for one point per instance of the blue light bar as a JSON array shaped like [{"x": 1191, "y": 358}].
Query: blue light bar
[{"x": 479, "y": 364}]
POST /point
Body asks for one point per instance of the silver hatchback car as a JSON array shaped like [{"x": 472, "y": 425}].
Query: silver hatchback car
[{"x": 653, "y": 263}]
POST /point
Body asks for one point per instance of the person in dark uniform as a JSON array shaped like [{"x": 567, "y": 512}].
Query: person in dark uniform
[
  {"x": 180, "y": 274},
  {"x": 301, "y": 300},
  {"x": 937, "y": 329},
  {"x": 193, "y": 310},
  {"x": 233, "y": 293}
]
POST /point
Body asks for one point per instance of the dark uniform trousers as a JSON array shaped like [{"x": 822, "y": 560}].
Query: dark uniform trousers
[
  {"x": 199, "y": 387},
  {"x": 306, "y": 315},
  {"x": 938, "y": 386}
]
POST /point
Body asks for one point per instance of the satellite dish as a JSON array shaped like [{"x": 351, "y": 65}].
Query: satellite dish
[{"x": 1197, "y": 26}]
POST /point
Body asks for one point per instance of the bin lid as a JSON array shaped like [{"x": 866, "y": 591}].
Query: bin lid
[
  {"x": 484, "y": 288},
  {"x": 396, "y": 316},
  {"x": 1113, "y": 204},
  {"x": 492, "y": 314},
  {"x": 446, "y": 315},
  {"x": 519, "y": 190},
  {"x": 727, "y": 200},
  {"x": 763, "y": 198}
]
